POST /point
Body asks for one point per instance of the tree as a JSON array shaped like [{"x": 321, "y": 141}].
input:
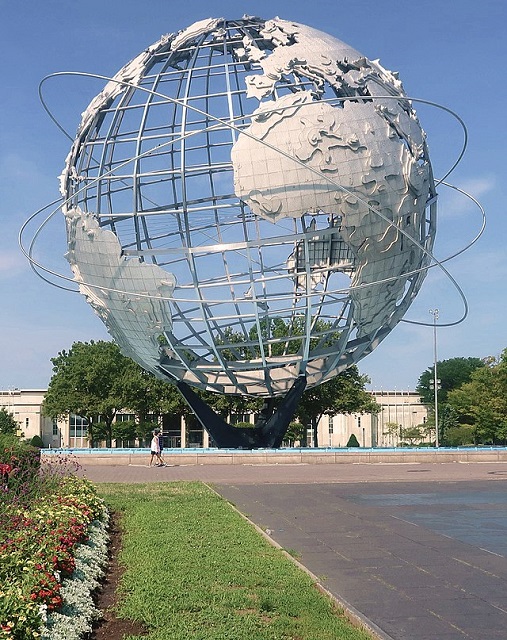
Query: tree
[
  {"x": 452, "y": 374},
  {"x": 36, "y": 441},
  {"x": 227, "y": 405},
  {"x": 274, "y": 337},
  {"x": 393, "y": 430},
  {"x": 124, "y": 431},
  {"x": 460, "y": 436},
  {"x": 448, "y": 419},
  {"x": 145, "y": 395},
  {"x": 232, "y": 345},
  {"x": 88, "y": 380},
  {"x": 412, "y": 435},
  {"x": 282, "y": 337},
  {"x": 482, "y": 402},
  {"x": 295, "y": 432},
  {"x": 345, "y": 393},
  {"x": 8, "y": 423}
]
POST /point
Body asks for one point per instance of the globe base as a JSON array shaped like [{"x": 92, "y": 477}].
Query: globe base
[{"x": 267, "y": 434}]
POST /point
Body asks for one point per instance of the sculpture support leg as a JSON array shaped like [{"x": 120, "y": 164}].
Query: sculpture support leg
[
  {"x": 269, "y": 434},
  {"x": 276, "y": 426}
]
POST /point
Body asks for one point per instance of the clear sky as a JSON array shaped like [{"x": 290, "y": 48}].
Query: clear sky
[{"x": 453, "y": 53}]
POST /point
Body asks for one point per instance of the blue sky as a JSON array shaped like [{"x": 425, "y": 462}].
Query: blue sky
[{"x": 452, "y": 53}]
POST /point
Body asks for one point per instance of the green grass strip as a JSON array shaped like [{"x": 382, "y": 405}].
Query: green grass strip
[{"x": 195, "y": 569}]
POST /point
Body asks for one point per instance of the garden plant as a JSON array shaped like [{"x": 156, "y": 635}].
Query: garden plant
[{"x": 53, "y": 546}]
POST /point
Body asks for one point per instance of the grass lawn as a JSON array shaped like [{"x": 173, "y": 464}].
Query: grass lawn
[{"x": 196, "y": 570}]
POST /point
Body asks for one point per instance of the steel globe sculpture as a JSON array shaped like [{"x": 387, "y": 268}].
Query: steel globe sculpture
[{"x": 250, "y": 208}]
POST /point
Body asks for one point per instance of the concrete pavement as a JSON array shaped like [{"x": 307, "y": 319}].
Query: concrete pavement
[{"x": 295, "y": 473}]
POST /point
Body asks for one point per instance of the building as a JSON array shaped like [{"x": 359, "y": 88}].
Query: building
[
  {"x": 25, "y": 405},
  {"x": 400, "y": 410}
]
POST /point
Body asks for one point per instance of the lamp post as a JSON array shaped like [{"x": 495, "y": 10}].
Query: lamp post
[{"x": 435, "y": 314}]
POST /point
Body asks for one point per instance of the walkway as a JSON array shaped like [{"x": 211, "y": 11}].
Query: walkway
[{"x": 418, "y": 551}]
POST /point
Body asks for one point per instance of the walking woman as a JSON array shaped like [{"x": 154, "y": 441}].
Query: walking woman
[{"x": 155, "y": 449}]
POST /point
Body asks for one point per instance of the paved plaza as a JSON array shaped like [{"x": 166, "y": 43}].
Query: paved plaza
[{"x": 416, "y": 551}]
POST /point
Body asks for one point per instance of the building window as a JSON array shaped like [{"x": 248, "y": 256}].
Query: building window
[
  {"x": 78, "y": 426},
  {"x": 27, "y": 423},
  {"x": 358, "y": 421},
  {"x": 235, "y": 418},
  {"x": 125, "y": 417},
  {"x": 55, "y": 427},
  {"x": 330, "y": 424}
]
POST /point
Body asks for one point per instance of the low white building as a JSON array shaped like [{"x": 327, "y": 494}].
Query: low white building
[
  {"x": 25, "y": 405},
  {"x": 400, "y": 410}
]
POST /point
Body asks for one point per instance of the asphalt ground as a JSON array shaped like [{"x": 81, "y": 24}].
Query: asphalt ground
[{"x": 415, "y": 551}]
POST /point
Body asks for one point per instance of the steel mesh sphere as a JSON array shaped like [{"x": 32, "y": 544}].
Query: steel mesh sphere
[{"x": 248, "y": 201}]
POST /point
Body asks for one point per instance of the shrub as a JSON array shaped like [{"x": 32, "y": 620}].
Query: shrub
[
  {"x": 353, "y": 442},
  {"x": 19, "y": 462},
  {"x": 36, "y": 441},
  {"x": 8, "y": 423},
  {"x": 459, "y": 436},
  {"x": 244, "y": 425}
]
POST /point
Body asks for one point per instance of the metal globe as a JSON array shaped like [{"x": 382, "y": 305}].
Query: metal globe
[{"x": 247, "y": 202}]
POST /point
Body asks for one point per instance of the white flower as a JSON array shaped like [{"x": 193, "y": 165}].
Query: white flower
[{"x": 78, "y": 612}]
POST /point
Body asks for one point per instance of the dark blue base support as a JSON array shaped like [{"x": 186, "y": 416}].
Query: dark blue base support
[{"x": 268, "y": 433}]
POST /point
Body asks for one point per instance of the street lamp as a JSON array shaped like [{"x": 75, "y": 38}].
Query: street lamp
[{"x": 436, "y": 381}]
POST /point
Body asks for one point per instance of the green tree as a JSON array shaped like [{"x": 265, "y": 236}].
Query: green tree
[
  {"x": 276, "y": 334},
  {"x": 231, "y": 405},
  {"x": 8, "y": 424},
  {"x": 295, "y": 432},
  {"x": 144, "y": 430},
  {"x": 278, "y": 337},
  {"x": 393, "y": 430},
  {"x": 460, "y": 436},
  {"x": 281, "y": 337},
  {"x": 482, "y": 402},
  {"x": 36, "y": 441},
  {"x": 124, "y": 431},
  {"x": 448, "y": 419},
  {"x": 145, "y": 395},
  {"x": 344, "y": 393},
  {"x": 232, "y": 345},
  {"x": 452, "y": 374},
  {"x": 88, "y": 380},
  {"x": 412, "y": 435}
]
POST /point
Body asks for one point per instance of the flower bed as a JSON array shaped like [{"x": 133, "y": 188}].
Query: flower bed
[
  {"x": 53, "y": 545},
  {"x": 78, "y": 613}
]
